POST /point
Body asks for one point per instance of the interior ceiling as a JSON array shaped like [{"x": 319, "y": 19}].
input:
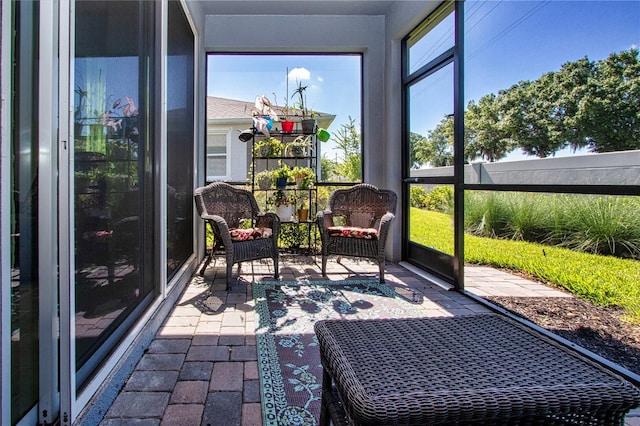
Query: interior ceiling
[{"x": 294, "y": 7}]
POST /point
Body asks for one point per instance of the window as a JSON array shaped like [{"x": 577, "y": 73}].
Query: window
[{"x": 217, "y": 147}]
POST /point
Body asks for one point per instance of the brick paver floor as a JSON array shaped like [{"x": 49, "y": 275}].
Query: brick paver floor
[{"x": 201, "y": 368}]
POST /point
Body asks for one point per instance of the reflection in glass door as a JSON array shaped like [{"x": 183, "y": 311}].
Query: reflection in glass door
[
  {"x": 24, "y": 216},
  {"x": 113, "y": 198}
]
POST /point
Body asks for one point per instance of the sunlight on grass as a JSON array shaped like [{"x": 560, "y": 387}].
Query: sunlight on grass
[
  {"x": 603, "y": 280},
  {"x": 432, "y": 229}
]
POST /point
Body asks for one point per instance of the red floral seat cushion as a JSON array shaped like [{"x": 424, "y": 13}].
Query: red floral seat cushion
[
  {"x": 242, "y": 234},
  {"x": 353, "y": 232}
]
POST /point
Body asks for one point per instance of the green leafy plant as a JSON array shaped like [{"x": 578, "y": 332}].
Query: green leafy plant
[
  {"x": 281, "y": 198},
  {"x": 304, "y": 176},
  {"x": 264, "y": 179},
  {"x": 268, "y": 147},
  {"x": 282, "y": 172},
  {"x": 440, "y": 199},
  {"x": 300, "y": 146},
  {"x": 417, "y": 195}
]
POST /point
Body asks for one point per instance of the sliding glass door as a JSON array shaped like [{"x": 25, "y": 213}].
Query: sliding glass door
[{"x": 113, "y": 181}]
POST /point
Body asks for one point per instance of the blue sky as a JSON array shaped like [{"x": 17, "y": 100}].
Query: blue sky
[{"x": 506, "y": 42}]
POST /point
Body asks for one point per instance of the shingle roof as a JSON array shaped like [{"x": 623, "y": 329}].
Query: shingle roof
[
  {"x": 223, "y": 108},
  {"x": 228, "y": 108}
]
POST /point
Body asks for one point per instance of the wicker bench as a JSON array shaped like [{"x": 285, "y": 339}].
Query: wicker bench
[{"x": 482, "y": 369}]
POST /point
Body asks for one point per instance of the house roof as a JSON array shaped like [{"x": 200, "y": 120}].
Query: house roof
[
  {"x": 218, "y": 108},
  {"x": 233, "y": 110}
]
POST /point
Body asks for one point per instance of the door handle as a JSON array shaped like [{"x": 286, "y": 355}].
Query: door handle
[{"x": 410, "y": 180}]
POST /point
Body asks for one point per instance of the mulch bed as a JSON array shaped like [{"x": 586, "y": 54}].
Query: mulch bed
[{"x": 598, "y": 329}]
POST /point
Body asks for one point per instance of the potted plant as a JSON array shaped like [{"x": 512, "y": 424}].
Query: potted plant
[
  {"x": 282, "y": 175},
  {"x": 283, "y": 203},
  {"x": 303, "y": 176},
  {"x": 263, "y": 179},
  {"x": 299, "y": 146},
  {"x": 303, "y": 212},
  {"x": 308, "y": 122},
  {"x": 285, "y": 121},
  {"x": 268, "y": 147}
]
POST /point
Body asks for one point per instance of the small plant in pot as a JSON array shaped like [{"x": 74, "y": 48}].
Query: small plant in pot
[
  {"x": 304, "y": 176},
  {"x": 283, "y": 203},
  {"x": 281, "y": 175},
  {"x": 299, "y": 146},
  {"x": 303, "y": 212},
  {"x": 308, "y": 122},
  {"x": 264, "y": 179},
  {"x": 268, "y": 147},
  {"x": 285, "y": 121}
]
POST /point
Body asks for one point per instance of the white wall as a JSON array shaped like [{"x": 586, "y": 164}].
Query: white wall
[{"x": 400, "y": 20}]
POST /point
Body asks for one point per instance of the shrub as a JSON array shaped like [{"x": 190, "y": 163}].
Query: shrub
[
  {"x": 440, "y": 199},
  {"x": 417, "y": 195}
]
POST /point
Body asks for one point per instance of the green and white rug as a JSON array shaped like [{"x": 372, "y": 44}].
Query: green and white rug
[{"x": 288, "y": 356}]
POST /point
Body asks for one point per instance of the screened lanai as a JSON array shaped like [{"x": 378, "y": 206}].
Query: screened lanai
[{"x": 509, "y": 183}]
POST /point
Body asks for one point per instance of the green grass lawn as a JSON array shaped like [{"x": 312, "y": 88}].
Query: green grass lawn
[{"x": 602, "y": 280}]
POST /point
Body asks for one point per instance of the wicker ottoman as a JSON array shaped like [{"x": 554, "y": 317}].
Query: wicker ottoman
[{"x": 482, "y": 369}]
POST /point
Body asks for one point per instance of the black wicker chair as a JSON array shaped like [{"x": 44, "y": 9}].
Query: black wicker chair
[
  {"x": 233, "y": 214},
  {"x": 356, "y": 223}
]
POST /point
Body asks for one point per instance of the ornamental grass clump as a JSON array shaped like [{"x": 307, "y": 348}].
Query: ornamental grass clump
[{"x": 607, "y": 225}]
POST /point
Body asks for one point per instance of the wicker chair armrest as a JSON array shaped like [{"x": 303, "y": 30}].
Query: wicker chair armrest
[
  {"x": 383, "y": 229},
  {"x": 221, "y": 225},
  {"x": 325, "y": 219},
  {"x": 269, "y": 220}
]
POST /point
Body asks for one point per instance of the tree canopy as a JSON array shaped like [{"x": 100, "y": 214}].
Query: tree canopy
[{"x": 585, "y": 104}]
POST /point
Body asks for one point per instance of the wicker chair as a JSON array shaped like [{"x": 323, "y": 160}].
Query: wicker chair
[
  {"x": 357, "y": 223},
  {"x": 233, "y": 214}
]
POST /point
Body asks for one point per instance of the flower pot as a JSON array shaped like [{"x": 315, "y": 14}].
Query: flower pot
[
  {"x": 303, "y": 183},
  {"x": 287, "y": 126},
  {"x": 303, "y": 215},
  {"x": 281, "y": 183},
  {"x": 264, "y": 182},
  {"x": 308, "y": 126},
  {"x": 284, "y": 211},
  {"x": 297, "y": 151},
  {"x": 265, "y": 151}
]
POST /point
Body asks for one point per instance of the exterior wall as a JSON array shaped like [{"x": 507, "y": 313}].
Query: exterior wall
[
  {"x": 400, "y": 20},
  {"x": 614, "y": 168}
]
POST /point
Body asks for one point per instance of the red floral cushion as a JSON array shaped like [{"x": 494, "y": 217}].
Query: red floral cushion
[
  {"x": 242, "y": 234},
  {"x": 353, "y": 232}
]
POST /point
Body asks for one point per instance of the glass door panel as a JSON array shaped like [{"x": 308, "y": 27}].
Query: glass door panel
[
  {"x": 24, "y": 216},
  {"x": 429, "y": 184},
  {"x": 113, "y": 206}
]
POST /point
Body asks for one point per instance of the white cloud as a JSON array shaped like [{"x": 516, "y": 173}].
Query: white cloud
[{"x": 299, "y": 74}]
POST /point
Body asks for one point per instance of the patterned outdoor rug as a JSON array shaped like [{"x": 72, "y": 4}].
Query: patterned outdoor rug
[{"x": 288, "y": 357}]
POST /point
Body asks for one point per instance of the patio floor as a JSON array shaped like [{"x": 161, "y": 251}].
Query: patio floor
[{"x": 201, "y": 368}]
